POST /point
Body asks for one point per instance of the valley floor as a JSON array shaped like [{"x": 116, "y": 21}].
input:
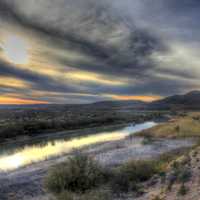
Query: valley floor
[{"x": 27, "y": 183}]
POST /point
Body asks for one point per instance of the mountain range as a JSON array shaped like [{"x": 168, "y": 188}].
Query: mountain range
[{"x": 187, "y": 101}]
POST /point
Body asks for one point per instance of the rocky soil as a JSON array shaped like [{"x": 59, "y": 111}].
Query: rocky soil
[{"x": 159, "y": 190}]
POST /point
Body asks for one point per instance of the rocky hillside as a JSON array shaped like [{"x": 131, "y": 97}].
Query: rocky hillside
[
  {"x": 182, "y": 182},
  {"x": 190, "y": 100}
]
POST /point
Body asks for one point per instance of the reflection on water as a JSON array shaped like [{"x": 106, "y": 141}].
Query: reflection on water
[{"x": 36, "y": 153}]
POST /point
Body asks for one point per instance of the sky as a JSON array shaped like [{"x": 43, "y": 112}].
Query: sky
[{"x": 83, "y": 51}]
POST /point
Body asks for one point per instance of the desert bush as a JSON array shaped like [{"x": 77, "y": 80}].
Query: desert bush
[
  {"x": 78, "y": 174},
  {"x": 139, "y": 171}
]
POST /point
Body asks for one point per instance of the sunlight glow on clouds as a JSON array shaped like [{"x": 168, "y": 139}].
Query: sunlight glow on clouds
[
  {"x": 95, "y": 78},
  {"x": 13, "y": 82},
  {"x": 13, "y": 100},
  {"x": 147, "y": 98},
  {"x": 15, "y": 50}
]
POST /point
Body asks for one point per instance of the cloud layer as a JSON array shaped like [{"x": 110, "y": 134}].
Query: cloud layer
[{"x": 84, "y": 50}]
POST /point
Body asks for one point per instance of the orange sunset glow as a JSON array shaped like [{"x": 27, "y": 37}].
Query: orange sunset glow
[
  {"x": 17, "y": 101},
  {"x": 140, "y": 98}
]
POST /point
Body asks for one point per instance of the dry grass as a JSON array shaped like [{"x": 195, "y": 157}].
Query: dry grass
[{"x": 186, "y": 126}]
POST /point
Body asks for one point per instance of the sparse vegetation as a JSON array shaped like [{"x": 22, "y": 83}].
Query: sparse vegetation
[
  {"x": 180, "y": 127},
  {"x": 80, "y": 176},
  {"x": 140, "y": 171}
]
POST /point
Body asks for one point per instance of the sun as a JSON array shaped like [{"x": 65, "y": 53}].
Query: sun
[{"x": 15, "y": 50}]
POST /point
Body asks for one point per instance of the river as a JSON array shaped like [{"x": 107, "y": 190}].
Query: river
[{"x": 14, "y": 158}]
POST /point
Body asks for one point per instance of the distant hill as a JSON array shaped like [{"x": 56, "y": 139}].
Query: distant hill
[
  {"x": 101, "y": 105},
  {"x": 190, "y": 100},
  {"x": 117, "y": 104}
]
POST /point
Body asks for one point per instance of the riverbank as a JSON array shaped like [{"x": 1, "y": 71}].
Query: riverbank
[
  {"x": 27, "y": 123},
  {"x": 35, "y": 139}
]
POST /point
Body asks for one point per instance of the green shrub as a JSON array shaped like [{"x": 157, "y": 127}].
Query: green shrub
[
  {"x": 55, "y": 181},
  {"x": 78, "y": 174}
]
